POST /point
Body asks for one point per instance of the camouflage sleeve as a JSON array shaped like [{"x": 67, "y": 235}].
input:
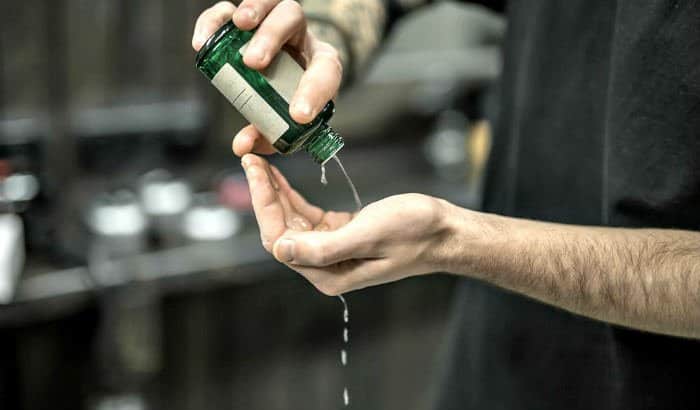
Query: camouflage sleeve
[{"x": 354, "y": 27}]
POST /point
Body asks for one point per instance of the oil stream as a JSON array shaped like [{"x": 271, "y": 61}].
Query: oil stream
[{"x": 346, "y": 311}]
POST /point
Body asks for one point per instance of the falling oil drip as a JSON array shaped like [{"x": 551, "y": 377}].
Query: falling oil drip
[
  {"x": 346, "y": 311},
  {"x": 324, "y": 181},
  {"x": 344, "y": 352},
  {"x": 355, "y": 194},
  {"x": 358, "y": 202}
]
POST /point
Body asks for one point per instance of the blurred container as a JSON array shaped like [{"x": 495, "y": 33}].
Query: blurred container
[
  {"x": 17, "y": 190},
  {"x": 209, "y": 220},
  {"x": 118, "y": 224},
  {"x": 165, "y": 199},
  {"x": 11, "y": 255}
]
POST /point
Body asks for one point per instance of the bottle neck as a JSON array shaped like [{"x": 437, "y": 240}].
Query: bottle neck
[{"x": 324, "y": 144}]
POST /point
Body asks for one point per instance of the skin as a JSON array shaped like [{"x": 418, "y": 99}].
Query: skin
[{"x": 647, "y": 279}]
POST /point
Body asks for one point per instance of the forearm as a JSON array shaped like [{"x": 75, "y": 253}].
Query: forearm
[
  {"x": 354, "y": 27},
  {"x": 643, "y": 278}
]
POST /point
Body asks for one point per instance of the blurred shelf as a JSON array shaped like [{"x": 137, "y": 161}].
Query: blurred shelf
[
  {"x": 49, "y": 294},
  {"x": 119, "y": 120}
]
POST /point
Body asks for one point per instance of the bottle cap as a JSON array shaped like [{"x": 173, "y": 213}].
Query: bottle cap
[{"x": 324, "y": 145}]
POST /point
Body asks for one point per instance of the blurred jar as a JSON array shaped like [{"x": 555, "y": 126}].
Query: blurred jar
[
  {"x": 209, "y": 220},
  {"x": 118, "y": 224},
  {"x": 165, "y": 199},
  {"x": 17, "y": 190}
]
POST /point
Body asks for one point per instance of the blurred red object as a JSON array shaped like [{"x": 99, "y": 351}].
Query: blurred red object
[
  {"x": 234, "y": 193},
  {"x": 5, "y": 169}
]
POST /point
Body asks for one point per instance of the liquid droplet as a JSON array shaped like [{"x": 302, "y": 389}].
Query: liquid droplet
[
  {"x": 346, "y": 312},
  {"x": 324, "y": 181},
  {"x": 345, "y": 335},
  {"x": 344, "y": 357},
  {"x": 346, "y": 397}
]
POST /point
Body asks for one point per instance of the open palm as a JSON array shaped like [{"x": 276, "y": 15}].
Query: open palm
[{"x": 387, "y": 240}]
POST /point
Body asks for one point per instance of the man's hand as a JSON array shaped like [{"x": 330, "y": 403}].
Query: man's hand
[
  {"x": 337, "y": 252},
  {"x": 278, "y": 23},
  {"x": 643, "y": 278}
]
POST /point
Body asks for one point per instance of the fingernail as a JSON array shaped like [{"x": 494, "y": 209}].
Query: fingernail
[
  {"x": 285, "y": 250},
  {"x": 245, "y": 163},
  {"x": 251, "y": 13},
  {"x": 255, "y": 52},
  {"x": 302, "y": 107}
]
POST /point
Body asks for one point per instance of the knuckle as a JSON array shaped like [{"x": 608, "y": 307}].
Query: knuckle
[
  {"x": 220, "y": 9},
  {"x": 262, "y": 37},
  {"x": 202, "y": 19},
  {"x": 291, "y": 6},
  {"x": 223, "y": 4},
  {"x": 314, "y": 253},
  {"x": 332, "y": 56},
  {"x": 318, "y": 256},
  {"x": 269, "y": 41}
]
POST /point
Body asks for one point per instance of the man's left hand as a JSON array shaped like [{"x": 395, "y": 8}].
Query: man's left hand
[{"x": 337, "y": 252}]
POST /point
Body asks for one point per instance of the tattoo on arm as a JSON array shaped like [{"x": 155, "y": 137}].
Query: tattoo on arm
[{"x": 354, "y": 27}]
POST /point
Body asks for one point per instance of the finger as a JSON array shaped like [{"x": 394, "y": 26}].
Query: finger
[
  {"x": 272, "y": 209},
  {"x": 268, "y": 208},
  {"x": 313, "y": 213},
  {"x": 209, "y": 21},
  {"x": 284, "y": 21},
  {"x": 251, "y": 12},
  {"x": 324, "y": 248},
  {"x": 318, "y": 85},
  {"x": 248, "y": 140},
  {"x": 293, "y": 219}
]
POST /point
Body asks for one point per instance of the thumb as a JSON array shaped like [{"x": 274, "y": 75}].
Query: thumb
[{"x": 322, "y": 248}]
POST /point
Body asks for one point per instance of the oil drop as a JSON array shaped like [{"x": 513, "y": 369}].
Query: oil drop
[
  {"x": 344, "y": 352},
  {"x": 324, "y": 181}
]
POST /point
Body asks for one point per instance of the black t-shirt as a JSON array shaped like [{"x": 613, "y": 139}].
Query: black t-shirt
[{"x": 599, "y": 125}]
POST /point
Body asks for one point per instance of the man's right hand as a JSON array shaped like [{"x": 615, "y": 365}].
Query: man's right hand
[{"x": 278, "y": 23}]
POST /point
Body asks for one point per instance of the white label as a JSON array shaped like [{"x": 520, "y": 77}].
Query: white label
[
  {"x": 249, "y": 103},
  {"x": 283, "y": 74}
]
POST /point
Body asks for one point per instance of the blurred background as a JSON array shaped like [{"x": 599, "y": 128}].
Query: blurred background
[{"x": 131, "y": 274}]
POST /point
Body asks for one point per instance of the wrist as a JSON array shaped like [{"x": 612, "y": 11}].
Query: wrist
[{"x": 474, "y": 243}]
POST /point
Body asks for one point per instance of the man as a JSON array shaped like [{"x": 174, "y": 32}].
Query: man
[{"x": 597, "y": 165}]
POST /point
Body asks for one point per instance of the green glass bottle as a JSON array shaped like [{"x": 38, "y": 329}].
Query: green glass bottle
[{"x": 263, "y": 97}]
